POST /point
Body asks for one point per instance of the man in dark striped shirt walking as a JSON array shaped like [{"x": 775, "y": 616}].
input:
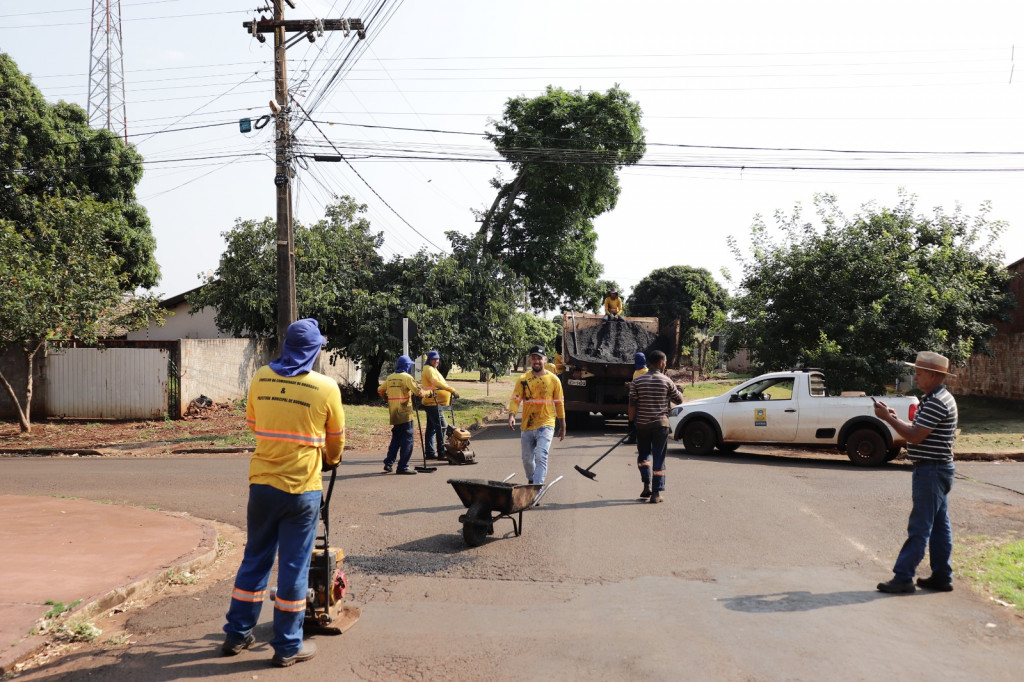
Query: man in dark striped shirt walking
[
  {"x": 930, "y": 448},
  {"x": 651, "y": 396}
]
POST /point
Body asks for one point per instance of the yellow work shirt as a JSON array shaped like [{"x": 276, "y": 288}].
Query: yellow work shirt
[
  {"x": 639, "y": 372},
  {"x": 398, "y": 389},
  {"x": 299, "y": 425},
  {"x": 433, "y": 381},
  {"x": 559, "y": 364},
  {"x": 612, "y": 306},
  {"x": 541, "y": 398}
]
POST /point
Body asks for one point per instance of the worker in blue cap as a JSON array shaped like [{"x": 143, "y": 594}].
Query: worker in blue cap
[
  {"x": 299, "y": 423},
  {"x": 398, "y": 389},
  {"x": 438, "y": 395}
]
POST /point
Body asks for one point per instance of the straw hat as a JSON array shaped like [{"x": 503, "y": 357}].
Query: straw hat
[{"x": 932, "y": 362}]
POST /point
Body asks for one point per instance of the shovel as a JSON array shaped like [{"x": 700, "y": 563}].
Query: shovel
[{"x": 590, "y": 474}]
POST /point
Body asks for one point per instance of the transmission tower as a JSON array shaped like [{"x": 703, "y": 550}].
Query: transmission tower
[{"x": 106, "y": 69}]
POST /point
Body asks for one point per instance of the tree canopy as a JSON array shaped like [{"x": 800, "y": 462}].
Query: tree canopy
[
  {"x": 62, "y": 282},
  {"x": 858, "y": 294},
  {"x": 462, "y": 304},
  {"x": 564, "y": 149},
  {"x": 50, "y": 151}
]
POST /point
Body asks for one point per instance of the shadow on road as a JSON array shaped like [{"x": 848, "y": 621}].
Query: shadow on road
[
  {"x": 785, "y": 602},
  {"x": 786, "y": 457}
]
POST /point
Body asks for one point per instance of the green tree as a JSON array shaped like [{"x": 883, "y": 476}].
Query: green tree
[
  {"x": 460, "y": 303},
  {"x": 62, "y": 281},
  {"x": 50, "y": 151},
  {"x": 690, "y": 295},
  {"x": 565, "y": 149},
  {"x": 858, "y": 294}
]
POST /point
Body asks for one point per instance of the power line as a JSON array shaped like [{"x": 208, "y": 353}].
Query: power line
[{"x": 365, "y": 182}]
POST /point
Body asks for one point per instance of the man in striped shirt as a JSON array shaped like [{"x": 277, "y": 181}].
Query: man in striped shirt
[
  {"x": 297, "y": 417},
  {"x": 930, "y": 447},
  {"x": 651, "y": 396}
]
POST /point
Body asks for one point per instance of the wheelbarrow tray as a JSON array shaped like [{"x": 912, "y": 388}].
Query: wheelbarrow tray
[
  {"x": 488, "y": 501},
  {"x": 505, "y": 498}
]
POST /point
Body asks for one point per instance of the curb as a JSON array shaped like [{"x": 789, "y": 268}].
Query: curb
[{"x": 203, "y": 555}]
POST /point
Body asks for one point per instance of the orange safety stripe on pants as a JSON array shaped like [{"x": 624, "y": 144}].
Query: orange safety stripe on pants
[
  {"x": 644, "y": 464},
  {"x": 246, "y": 595},
  {"x": 290, "y": 606},
  {"x": 659, "y": 472}
]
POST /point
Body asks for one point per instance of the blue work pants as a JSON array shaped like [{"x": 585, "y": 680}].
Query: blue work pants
[
  {"x": 436, "y": 424},
  {"x": 929, "y": 525},
  {"x": 652, "y": 443},
  {"x": 284, "y": 524},
  {"x": 401, "y": 446}
]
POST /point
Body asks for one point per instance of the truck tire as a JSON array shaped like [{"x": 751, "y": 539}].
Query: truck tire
[
  {"x": 866, "y": 447},
  {"x": 699, "y": 437},
  {"x": 728, "y": 447},
  {"x": 893, "y": 454}
]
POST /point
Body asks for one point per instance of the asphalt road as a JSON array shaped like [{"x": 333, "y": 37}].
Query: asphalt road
[{"x": 758, "y": 567}]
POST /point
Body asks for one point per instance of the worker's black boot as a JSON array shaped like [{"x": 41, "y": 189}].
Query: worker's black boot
[{"x": 646, "y": 492}]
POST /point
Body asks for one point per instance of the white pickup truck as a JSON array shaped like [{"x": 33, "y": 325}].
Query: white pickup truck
[{"x": 791, "y": 408}]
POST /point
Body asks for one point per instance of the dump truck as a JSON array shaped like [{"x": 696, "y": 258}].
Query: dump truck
[{"x": 598, "y": 359}]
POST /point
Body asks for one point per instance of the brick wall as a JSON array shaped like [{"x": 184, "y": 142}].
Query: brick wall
[{"x": 998, "y": 376}]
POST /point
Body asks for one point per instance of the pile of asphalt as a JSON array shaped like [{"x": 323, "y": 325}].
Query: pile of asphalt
[{"x": 614, "y": 341}]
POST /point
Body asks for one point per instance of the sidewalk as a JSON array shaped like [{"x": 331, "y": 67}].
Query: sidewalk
[{"x": 65, "y": 550}]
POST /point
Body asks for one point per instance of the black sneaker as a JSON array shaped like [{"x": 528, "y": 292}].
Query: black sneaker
[
  {"x": 307, "y": 652},
  {"x": 895, "y": 586},
  {"x": 430, "y": 455},
  {"x": 656, "y": 497},
  {"x": 936, "y": 584},
  {"x": 233, "y": 646},
  {"x": 388, "y": 469}
]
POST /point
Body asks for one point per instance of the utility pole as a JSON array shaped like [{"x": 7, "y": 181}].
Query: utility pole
[{"x": 287, "y": 308}]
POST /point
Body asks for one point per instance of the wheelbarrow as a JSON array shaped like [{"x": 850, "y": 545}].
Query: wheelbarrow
[{"x": 488, "y": 501}]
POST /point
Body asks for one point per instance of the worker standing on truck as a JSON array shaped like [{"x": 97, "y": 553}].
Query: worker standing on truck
[
  {"x": 540, "y": 393},
  {"x": 299, "y": 423},
  {"x": 398, "y": 389},
  {"x": 438, "y": 395},
  {"x": 651, "y": 395},
  {"x": 930, "y": 447},
  {"x": 639, "y": 369},
  {"x": 612, "y": 306}
]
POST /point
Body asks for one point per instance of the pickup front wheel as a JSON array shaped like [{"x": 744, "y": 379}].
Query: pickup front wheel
[
  {"x": 699, "y": 437},
  {"x": 866, "y": 448}
]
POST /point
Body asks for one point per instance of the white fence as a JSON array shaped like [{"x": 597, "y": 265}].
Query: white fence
[{"x": 117, "y": 383}]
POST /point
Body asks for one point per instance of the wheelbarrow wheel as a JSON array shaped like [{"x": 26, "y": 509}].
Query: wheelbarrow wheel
[{"x": 475, "y": 527}]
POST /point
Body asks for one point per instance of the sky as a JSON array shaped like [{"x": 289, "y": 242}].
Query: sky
[{"x": 749, "y": 108}]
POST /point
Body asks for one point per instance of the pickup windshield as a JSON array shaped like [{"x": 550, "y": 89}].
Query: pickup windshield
[{"x": 779, "y": 388}]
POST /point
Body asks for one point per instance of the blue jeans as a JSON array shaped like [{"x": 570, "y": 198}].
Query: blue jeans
[
  {"x": 535, "y": 445},
  {"x": 284, "y": 524},
  {"x": 929, "y": 523},
  {"x": 401, "y": 446},
  {"x": 652, "y": 443},
  {"x": 435, "y": 429}
]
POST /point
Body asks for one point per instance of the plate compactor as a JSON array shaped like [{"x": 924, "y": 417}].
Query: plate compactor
[
  {"x": 456, "y": 443},
  {"x": 326, "y": 610}
]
